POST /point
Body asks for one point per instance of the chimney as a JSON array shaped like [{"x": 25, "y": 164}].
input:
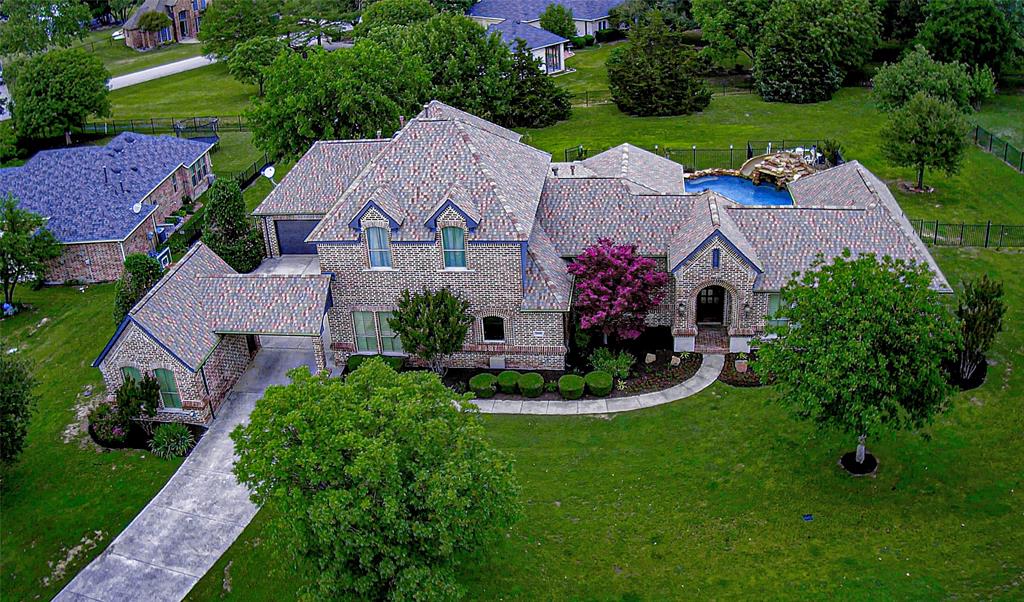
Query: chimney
[
  {"x": 401, "y": 121},
  {"x": 554, "y": 170},
  {"x": 572, "y": 169}
]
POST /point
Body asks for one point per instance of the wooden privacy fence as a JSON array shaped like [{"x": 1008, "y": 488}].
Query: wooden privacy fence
[{"x": 985, "y": 235}]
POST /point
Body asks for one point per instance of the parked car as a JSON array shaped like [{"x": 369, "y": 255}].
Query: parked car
[{"x": 118, "y": 34}]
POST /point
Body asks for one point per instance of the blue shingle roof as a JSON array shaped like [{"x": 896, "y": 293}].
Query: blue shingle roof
[
  {"x": 529, "y": 10},
  {"x": 88, "y": 192},
  {"x": 534, "y": 37}
]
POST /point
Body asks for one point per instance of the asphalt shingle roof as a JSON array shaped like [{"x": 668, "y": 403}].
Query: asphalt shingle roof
[
  {"x": 88, "y": 191},
  {"x": 841, "y": 186},
  {"x": 547, "y": 283},
  {"x": 436, "y": 109},
  {"x": 529, "y": 10},
  {"x": 709, "y": 216},
  {"x": 319, "y": 177},
  {"x": 640, "y": 167},
  {"x": 535, "y": 37}
]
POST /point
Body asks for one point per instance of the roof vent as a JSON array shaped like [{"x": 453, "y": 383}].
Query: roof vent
[
  {"x": 554, "y": 170},
  {"x": 137, "y": 208}
]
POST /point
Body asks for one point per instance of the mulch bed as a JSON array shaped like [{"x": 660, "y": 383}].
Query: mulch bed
[
  {"x": 952, "y": 368},
  {"x": 731, "y": 376},
  {"x": 849, "y": 463},
  {"x": 138, "y": 438}
]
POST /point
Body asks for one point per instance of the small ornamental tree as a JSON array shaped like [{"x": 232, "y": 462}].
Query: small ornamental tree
[
  {"x": 537, "y": 101},
  {"x": 249, "y": 61},
  {"x": 558, "y": 20},
  {"x": 865, "y": 353},
  {"x": 378, "y": 485},
  {"x": 616, "y": 288},
  {"x": 141, "y": 272},
  {"x": 26, "y": 246},
  {"x": 981, "y": 309},
  {"x": 228, "y": 231},
  {"x": 658, "y": 73},
  {"x": 894, "y": 85},
  {"x": 432, "y": 324},
  {"x": 17, "y": 400},
  {"x": 926, "y": 132}
]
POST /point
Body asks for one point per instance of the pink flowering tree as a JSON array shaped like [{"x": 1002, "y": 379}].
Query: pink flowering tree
[{"x": 616, "y": 288}]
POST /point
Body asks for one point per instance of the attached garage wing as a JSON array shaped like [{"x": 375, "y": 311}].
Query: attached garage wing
[{"x": 291, "y": 236}]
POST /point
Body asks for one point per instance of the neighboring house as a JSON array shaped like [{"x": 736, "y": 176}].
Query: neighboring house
[
  {"x": 452, "y": 200},
  {"x": 590, "y": 16},
  {"x": 200, "y": 325},
  {"x": 104, "y": 202},
  {"x": 551, "y": 50},
  {"x": 186, "y": 17}
]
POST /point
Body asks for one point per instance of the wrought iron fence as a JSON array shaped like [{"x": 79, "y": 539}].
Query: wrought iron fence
[
  {"x": 1010, "y": 154},
  {"x": 180, "y": 126},
  {"x": 987, "y": 235},
  {"x": 694, "y": 158},
  {"x": 590, "y": 98},
  {"x": 249, "y": 174}
]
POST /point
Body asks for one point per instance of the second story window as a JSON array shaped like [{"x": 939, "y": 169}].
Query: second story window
[
  {"x": 380, "y": 252},
  {"x": 453, "y": 243}
]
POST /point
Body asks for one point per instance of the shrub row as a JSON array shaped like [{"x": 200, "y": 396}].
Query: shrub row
[
  {"x": 609, "y": 35},
  {"x": 355, "y": 361},
  {"x": 531, "y": 384},
  {"x": 581, "y": 41}
]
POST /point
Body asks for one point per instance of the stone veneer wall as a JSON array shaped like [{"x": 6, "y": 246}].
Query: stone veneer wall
[{"x": 492, "y": 283}]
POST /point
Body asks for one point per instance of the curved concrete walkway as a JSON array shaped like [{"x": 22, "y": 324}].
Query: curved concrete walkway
[{"x": 709, "y": 370}]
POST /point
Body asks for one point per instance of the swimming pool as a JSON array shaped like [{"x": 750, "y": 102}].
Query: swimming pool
[{"x": 741, "y": 190}]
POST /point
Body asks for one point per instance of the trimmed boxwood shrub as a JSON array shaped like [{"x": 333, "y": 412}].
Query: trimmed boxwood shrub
[
  {"x": 588, "y": 40},
  {"x": 599, "y": 383},
  {"x": 507, "y": 381},
  {"x": 531, "y": 384},
  {"x": 571, "y": 386},
  {"x": 355, "y": 361},
  {"x": 578, "y": 41},
  {"x": 482, "y": 385}
]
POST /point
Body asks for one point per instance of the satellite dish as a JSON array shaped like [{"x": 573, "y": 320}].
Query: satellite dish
[
  {"x": 137, "y": 208},
  {"x": 268, "y": 172}
]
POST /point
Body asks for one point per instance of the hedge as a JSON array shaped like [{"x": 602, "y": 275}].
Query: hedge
[
  {"x": 588, "y": 40},
  {"x": 609, "y": 35},
  {"x": 482, "y": 385},
  {"x": 578, "y": 41},
  {"x": 571, "y": 386},
  {"x": 507, "y": 381},
  {"x": 531, "y": 384},
  {"x": 598, "y": 383},
  {"x": 355, "y": 361}
]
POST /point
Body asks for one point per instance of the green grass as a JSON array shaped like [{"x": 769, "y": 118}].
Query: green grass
[
  {"x": 1004, "y": 117},
  {"x": 58, "y": 493},
  {"x": 985, "y": 189},
  {"x": 259, "y": 189},
  {"x": 703, "y": 499},
  {"x": 208, "y": 90},
  {"x": 119, "y": 59},
  {"x": 590, "y": 74},
  {"x": 235, "y": 152}
]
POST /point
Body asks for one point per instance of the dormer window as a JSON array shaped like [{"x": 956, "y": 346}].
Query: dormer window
[
  {"x": 380, "y": 252},
  {"x": 453, "y": 243}
]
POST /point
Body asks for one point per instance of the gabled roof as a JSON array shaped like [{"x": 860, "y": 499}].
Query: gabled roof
[
  {"x": 430, "y": 160},
  {"x": 547, "y": 285},
  {"x": 639, "y": 166},
  {"x": 841, "y": 186},
  {"x": 436, "y": 109},
  {"x": 708, "y": 220},
  {"x": 88, "y": 192},
  {"x": 511, "y": 31},
  {"x": 530, "y": 10},
  {"x": 319, "y": 177}
]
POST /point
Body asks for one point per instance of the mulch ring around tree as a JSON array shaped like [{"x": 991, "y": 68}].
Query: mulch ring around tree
[
  {"x": 867, "y": 468},
  {"x": 731, "y": 376},
  {"x": 952, "y": 369},
  {"x": 139, "y": 439}
]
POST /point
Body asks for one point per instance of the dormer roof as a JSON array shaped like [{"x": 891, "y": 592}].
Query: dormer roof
[{"x": 709, "y": 221}]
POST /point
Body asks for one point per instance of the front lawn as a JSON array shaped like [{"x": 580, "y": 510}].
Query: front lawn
[
  {"x": 204, "y": 91},
  {"x": 705, "y": 498},
  {"x": 63, "y": 501}
]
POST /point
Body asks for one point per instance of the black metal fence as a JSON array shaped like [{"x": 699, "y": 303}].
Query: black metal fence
[
  {"x": 590, "y": 98},
  {"x": 1009, "y": 153},
  {"x": 694, "y": 158},
  {"x": 248, "y": 175},
  {"x": 984, "y": 235},
  {"x": 180, "y": 126}
]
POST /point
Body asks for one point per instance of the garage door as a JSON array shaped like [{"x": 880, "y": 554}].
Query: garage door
[{"x": 291, "y": 234}]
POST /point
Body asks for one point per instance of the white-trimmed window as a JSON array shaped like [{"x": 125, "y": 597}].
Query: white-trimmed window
[
  {"x": 453, "y": 244},
  {"x": 774, "y": 304},
  {"x": 380, "y": 252},
  {"x": 389, "y": 341},
  {"x": 493, "y": 329},
  {"x": 366, "y": 331},
  {"x": 168, "y": 388}
]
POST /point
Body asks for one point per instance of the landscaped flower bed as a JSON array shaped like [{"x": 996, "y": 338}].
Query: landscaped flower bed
[{"x": 731, "y": 376}]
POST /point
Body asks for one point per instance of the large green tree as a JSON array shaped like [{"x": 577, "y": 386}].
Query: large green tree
[
  {"x": 974, "y": 32},
  {"x": 17, "y": 400},
  {"x": 304, "y": 21},
  {"x": 537, "y": 101},
  {"x": 865, "y": 350},
  {"x": 32, "y": 26},
  {"x": 26, "y": 246},
  {"x": 926, "y": 132},
  {"x": 385, "y": 13},
  {"x": 141, "y": 272},
  {"x": 731, "y": 27},
  {"x": 658, "y": 73},
  {"x": 895, "y": 84},
  {"x": 378, "y": 485},
  {"x": 57, "y": 91},
  {"x": 228, "y": 231},
  {"x": 249, "y": 61},
  {"x": 432, "y": 324},
  {"x": 347, "y": 94},
  {"x": 558, "y": 20},
  {"x": 228, "y": 23}
]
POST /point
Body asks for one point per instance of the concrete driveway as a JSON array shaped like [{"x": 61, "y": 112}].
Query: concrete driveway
[
  {"x": 130, "y": 79},
  {"x": 201, "y": 510}
]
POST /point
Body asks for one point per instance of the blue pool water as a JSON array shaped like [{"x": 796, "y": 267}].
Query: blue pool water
[{"x": 741, "y": 190}]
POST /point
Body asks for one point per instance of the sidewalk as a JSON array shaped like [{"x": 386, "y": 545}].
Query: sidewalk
[{"x": 130, "y": 79}]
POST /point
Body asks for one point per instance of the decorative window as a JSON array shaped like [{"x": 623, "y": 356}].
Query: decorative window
[
  {"x": 716, "y": 258},
  {"x": 494, "y": 329},
  {"x": 380, "y": 252},
  {"x": 453, "y": 243},
  {"x": 366, "y": 331},
  {"x": 774, "y": 303},
  {"x": 389, "y": 341},
  {"x": 130, "y": 373},
  {"x": 168, "y": 388}
]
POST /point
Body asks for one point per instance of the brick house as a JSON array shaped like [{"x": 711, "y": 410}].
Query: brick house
[
  {"x": 452, "y": 200},
  {"x": 104, "y": 202},
  {"x": 186, "y": 17}
]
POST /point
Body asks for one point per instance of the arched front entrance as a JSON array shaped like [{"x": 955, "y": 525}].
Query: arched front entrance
[{"x": 710, "y": 307}]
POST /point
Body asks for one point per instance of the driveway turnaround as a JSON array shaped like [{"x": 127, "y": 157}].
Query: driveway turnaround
[
  {"x": 709, "y": 370},
  {"x": 201, "y": 510},
  {"x": 123, "y": 81}
]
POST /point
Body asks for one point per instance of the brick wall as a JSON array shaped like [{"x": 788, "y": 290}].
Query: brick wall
[
  {"x": 733, "y": 274},
  {"x": 270, "y": 230},
  {"x": 226, "y": 364}
]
